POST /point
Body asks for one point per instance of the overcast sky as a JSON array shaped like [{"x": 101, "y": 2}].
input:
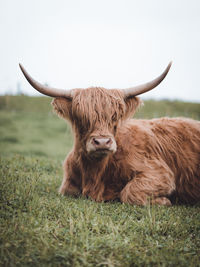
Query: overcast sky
[{"x": 109, "y": 43}]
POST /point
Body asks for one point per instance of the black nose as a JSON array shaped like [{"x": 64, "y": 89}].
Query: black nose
[{"x": 102, "y": 143}]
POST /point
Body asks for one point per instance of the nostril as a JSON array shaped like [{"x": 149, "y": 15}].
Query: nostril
[
  {"x": 96, "y": 142},
  {"x": 109, "y": 141}
]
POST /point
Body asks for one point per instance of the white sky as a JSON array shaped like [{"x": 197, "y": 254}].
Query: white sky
[{"x": 109, "y": 43}]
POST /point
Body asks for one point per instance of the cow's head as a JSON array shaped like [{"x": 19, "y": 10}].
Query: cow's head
[{"x": 95, "y": 113}]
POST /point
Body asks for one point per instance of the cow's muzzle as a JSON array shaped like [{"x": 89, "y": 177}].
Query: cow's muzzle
[{"x": 101, "y": 146}]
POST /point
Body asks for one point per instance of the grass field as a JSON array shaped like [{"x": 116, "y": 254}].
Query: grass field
[{"x": 38, "y": 227}]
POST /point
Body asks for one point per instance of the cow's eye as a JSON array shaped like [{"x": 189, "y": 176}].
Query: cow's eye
[
  {"x": 114, "y": 117},
  {"x": 82, "y": 130}
]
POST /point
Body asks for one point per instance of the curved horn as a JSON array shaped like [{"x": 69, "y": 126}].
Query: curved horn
[
  {"x": 143, "y": 88},
  {"x": 49, "y": 91}
]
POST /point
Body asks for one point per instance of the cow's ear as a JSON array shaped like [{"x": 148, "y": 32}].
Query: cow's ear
[
  {"x": 62, "y": 106},
  {"x": 132, "y": 104}
]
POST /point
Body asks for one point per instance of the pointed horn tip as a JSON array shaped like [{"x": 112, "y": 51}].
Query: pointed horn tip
[
  {"x": 21, "y": 67},
  {"x": 168, "y": 67},
  {"x": 170, "y": 63}
]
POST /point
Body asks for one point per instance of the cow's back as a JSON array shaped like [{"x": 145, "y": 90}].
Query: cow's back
[{"x": 176, "y": 141}]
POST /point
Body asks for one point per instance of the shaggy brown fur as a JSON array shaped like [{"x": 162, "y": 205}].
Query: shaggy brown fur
[{"x": 156, "y": 160}]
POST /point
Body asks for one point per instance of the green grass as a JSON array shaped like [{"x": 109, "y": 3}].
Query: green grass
[{"x": 38, "y": 227}]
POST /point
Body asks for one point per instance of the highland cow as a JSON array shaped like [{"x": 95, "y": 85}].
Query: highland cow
[{"x": 116, "y": 157}]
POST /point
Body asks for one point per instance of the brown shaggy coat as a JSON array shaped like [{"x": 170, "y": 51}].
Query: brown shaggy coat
[{"x": 156, "y": 160}]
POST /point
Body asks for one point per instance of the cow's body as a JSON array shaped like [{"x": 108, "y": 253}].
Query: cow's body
[{"x": 158, "y": 159}]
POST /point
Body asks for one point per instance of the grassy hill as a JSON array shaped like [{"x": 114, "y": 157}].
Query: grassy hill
[{"x": 38, "y": 227}]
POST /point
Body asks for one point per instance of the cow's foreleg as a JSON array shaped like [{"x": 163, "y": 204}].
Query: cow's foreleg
[
  {"x": 67, "y": 187},
  {"x": 161, "y": 201},
  {"x": 154, "y": 186},
  {"x": 71, "y": 184}
]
